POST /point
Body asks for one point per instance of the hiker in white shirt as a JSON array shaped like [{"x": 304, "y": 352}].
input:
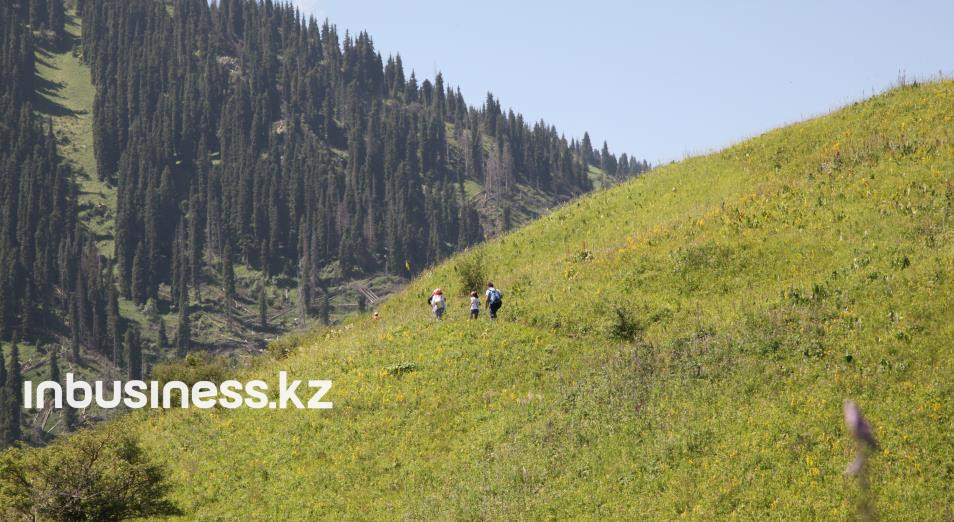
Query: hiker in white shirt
[
  {"x": 474, "y": 305},
  {"x": 438, "y": 303}
]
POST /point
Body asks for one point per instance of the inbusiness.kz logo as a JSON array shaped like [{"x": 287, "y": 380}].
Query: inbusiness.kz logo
[{"x": 203, "y": 394}]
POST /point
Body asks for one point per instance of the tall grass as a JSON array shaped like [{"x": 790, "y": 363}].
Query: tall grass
[{"x": 692, "y": 364}]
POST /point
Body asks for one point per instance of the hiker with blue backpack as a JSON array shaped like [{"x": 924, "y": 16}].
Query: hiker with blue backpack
[{"x": 494, "y": 300}]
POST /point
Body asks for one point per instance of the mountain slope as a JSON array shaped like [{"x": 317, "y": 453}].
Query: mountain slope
[
  {"x": 248, "y": 159},
  {"x": 680, "y": 345},
  {"x": 236, "y": 171},
  {"x": 185, "y": 176}
]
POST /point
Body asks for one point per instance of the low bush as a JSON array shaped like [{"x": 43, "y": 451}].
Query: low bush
[
  {"x": 100, "y": 474},
  {"x": 471, "y": 272},
  {"x": 195, "y": 367}
]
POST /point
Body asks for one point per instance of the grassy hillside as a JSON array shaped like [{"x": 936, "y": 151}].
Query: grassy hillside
[{"x": 677, "y": 346}]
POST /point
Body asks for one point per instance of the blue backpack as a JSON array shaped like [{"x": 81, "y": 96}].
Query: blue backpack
[{"x": 495, "y": 296}]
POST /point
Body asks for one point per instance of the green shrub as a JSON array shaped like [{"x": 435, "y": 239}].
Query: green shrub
[
  {"x": 471, "y": 272},
  {"x": 625, "y": 327},
  {"x": 194, "y": 367},
  {"x": 398, "y": 370},
  {"x": 100, "y": 474}
]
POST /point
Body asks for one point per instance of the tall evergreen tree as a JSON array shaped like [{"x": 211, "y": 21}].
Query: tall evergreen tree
[
  {"x": 184, "y": 331},
  {"x": 39, "y": 13},
  {"x": 133, "y": 355},
  {"x": 57, "y": 18},
  {"x": 162, "y": 338},
  {"x": 14, "y": 398},
  {"x": 139, "y": 283},
  {"x": 586, "y": 149},
  {"x": 69, "y": 417},
  {"x": 324, "y": 311},
  {"x": 262, "y": 305},
  {"x": 69, "y": 414},
  {"x": 4, "y": 414},
  {"x": 113, "y": 325},
  {"x": 54, "y": 366},
  {"x": 75, "y": 342}
]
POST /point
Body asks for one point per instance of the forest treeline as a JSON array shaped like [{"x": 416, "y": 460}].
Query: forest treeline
[{"x": 242, "y": 132}]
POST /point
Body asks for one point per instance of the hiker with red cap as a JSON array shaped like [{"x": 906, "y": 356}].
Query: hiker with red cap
[{"x": 438, "y": 303}]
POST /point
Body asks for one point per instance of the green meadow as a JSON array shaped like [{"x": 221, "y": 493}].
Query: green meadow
[{"x": 677, "y": 346}]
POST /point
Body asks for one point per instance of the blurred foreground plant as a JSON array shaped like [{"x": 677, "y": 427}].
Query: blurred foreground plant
[
  {"x": 865, "y": 445},
  {"x": 100, "y": 474}
]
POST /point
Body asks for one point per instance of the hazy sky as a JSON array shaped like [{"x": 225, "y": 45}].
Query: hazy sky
[{"x": 660, "y": 79}]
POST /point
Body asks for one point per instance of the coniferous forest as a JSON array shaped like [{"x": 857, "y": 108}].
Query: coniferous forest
[
  {"x": 52, "y": 282},
  {"x": 242, "y": 134},
  {"x": 242, "y": 130}
]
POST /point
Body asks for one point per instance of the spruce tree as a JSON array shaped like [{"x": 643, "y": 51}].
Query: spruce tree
[
  {"x": 324, "y": 312},
  {"x": 586, "y": 149},
  {"x": 133, "y": 355},
  {"x": 4, "y": 291},
  {"x": 196, "y": 243},
  {"x": 69, "y": 417},
  {"x": 3, "y": 398},
  {"x": 228, "y": 281},
  {"x": 262, "y": 305},
  {"x": 176, "y": 275},
  {"x": 113, "y": 325},
  {"x": 304, "y": 281},
  {"x": 264, "y": 253},
  {"x": 26, "y": 312},
  {"x": 69, "y": 414},
  {"x": 162, "y": 338},
  {"x": 54, "y": 366},
  {"x": 75, "y": 342},
  {"x": 14, "y": 398},
  {"x": 184, "y": 332},
  {"x": 39, "y": 13},
  {"x": 139, "y": 277},
  {"x": 57, "y": 18}
]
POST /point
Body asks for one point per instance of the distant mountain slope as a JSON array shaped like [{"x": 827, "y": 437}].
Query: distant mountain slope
[{"x": 677, "y": 346}]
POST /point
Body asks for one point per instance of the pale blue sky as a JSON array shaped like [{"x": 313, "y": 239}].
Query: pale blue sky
[{"x": 661, "y": 79}]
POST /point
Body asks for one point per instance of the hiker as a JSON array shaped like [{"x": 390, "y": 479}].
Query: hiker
[
  {"x": 474, "y": 304},
  {"x": 494, "y": 300},
  {"x": 438, "y": 303}
]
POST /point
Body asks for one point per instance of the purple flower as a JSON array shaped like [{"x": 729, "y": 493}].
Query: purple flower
[{"x": 858, "y": 426}]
